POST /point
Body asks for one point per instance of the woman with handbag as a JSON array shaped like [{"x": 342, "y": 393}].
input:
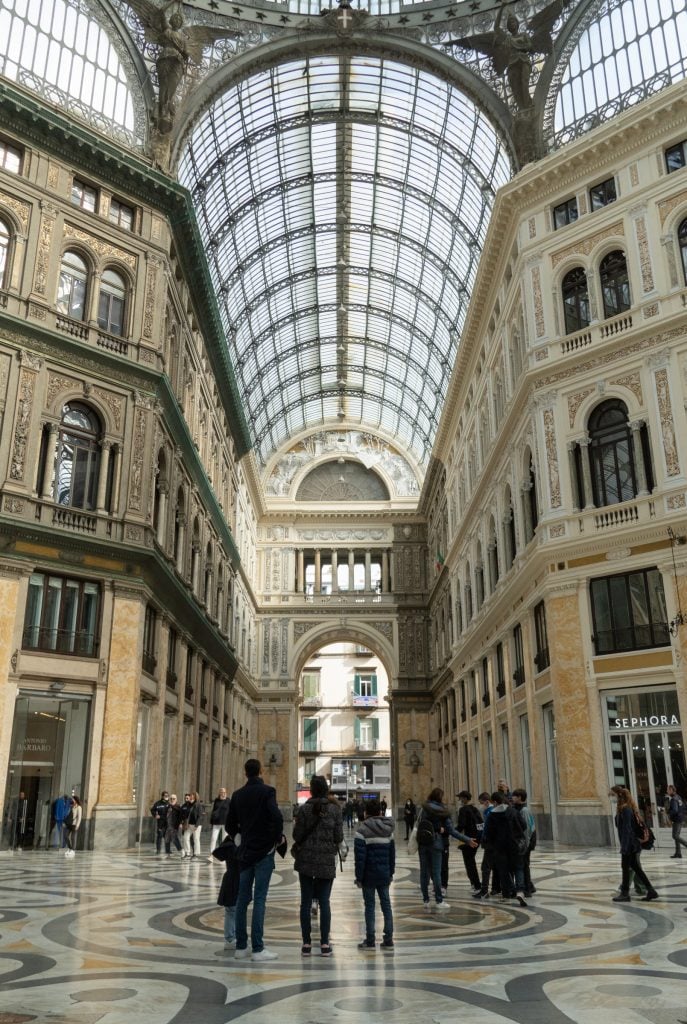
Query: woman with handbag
[
  {"x": 629, "y": 824},
  {"x": 317, "y": 832}
]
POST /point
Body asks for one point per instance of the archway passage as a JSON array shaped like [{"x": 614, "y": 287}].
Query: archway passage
[{"x": 344, "y": 727}]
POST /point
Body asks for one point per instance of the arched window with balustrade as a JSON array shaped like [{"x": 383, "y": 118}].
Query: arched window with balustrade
[
  {"x": 575, "y": 293},
  {"x": 615, "y": 283},
  {"x": 619, "y": 464},
  {"x": 72, "y": 288},
  {"x": 5, "y": 241},
  {"x": 112, "y": 303},
  {"x": 77, "y": 463},
  {"x": 682, "y": 242}
]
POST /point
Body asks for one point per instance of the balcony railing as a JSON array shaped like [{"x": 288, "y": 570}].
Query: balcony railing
[
  {"x": 631, "y": 638},
  {"x": 171, "y": 679},
  {"x": 541, "y": 659},
  {"x": 149, "y": 662},
  {"x": 501, "y": 689},
  {"x": 188, "y": 693},
  {"x": 313, "y": 700},
  {"x": 367, "y": 746},
  {"x": 60, "y": 641},
  {"x": 473, "y": 707},
  {"x": 519, "y": 676}
]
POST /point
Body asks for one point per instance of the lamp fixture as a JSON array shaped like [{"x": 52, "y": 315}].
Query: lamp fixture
[{"x": 679, "y": 619}]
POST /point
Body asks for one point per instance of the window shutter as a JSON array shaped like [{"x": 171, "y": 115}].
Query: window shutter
[
  {"x": 356, "y": 685},
  {"x": 356, "y": 727},
  {"x": 374, "y": 685},
  {"x": 375, "y": 729}
]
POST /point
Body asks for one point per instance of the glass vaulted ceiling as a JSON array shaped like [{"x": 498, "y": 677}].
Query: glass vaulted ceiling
[{"x": 344, "y": 203}]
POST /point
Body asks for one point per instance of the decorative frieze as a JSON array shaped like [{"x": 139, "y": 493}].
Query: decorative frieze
[
  {"x": 40, "y": 275},
  {"x": 538, "y": 302},
  {"x": 115, "y": 403},
  {"x": 20, "y": 209},
  {"x": 22, "y": 428},
  {"x": 644, "y": 255},
  {"x": 301, "y": 628},
  {"x": 619, "y": 356},
  {"x": 583, "y": 246},
  {"x": 575, "y": 401},
  {"x": 385, "y": 628},
  {"x": 138, "y": 452},
  {"x": 666, "y": 207},
  {"x": 150, "y": 295},
  {"x": 632, "y": 382}
]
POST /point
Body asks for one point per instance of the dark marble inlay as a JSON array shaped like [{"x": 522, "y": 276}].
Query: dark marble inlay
[
  {"x": 103, "y": 995},
  {"x": 494, "y": 950},
  {"x": 373, "y": 1003},
  {"x": 640, "y": 991}
]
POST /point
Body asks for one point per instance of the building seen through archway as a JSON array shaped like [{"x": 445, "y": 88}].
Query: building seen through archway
[{"x": 361, "y": 326}]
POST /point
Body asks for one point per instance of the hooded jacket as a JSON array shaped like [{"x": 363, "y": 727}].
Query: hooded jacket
[
  {"x": 439, "y": 815},
  {"x": 317, "y": 831},
  {"x": 375, "y": 851}
]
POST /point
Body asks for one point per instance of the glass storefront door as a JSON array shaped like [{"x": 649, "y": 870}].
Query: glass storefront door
[
  {"x": 647, "y": 750},
  {"x": 47, "y": 761}
]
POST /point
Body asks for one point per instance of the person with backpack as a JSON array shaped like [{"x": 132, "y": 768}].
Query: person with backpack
[
  {"x": 375, "y": 863},
  {"x": 470, "y": 822},
  {"x": 434, "y": 826},
  {"x": 506, "y": 841},
  {"x": 629, "y": 826},
  {"x": 676, "y": 814}
]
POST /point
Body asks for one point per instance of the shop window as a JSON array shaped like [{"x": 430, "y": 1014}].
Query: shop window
[
  {"x": 565, "y": 213},
  {"x": 682, "y": 242},
  {"x": 10, "y": 157},
  {"x": 62, "y": 615},
  {"x": 84, "y": 196},
  {"x": 676, "y": 156},
  {"x": 5, "y": 239},
  {"x": 541, "y": 655},
  {"x": 121, "y": 214},
  {"x": 629, "y": 612},
  {"x": 575, "y": 293},
  {"x": 73, "y": 286},
  {"x": 602, "y": 194},
  {"x": 615, "y": 284},
  {"x": 149, "y": 660},
  {"x": 77, "y": 465},
  {"x": 112, "y": 303},
  {"x": 518, "y": 656},
  {"x": 309, "y": 734}
]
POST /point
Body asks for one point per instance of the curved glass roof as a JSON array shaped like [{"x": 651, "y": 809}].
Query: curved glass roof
[{"x": 344, "y": 202}]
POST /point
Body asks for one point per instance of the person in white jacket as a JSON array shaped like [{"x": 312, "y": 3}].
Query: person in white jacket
[{"x": 72, "y": 823}]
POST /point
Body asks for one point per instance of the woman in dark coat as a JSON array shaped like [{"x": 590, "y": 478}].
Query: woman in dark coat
[
  {"x": 409, "y": 816},
  {"x": 626, "y": 815},
  {"x": 317, "y": 832}
]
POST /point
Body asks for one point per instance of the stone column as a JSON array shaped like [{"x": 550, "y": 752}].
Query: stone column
[
  {"x": 584, "y": 444},
  {"x": 527, "y": 511},
  {"x": 318, "y": 571},
  {"x": 385, "y": 571},
  {"x": 116, "y": 477},
  {"x": 300, "y": 583},
  {"x": 335, "y": 571},
  {"x": 47, "y": 493},
  {"x": 368, "y": 571},
  {"x": 351, "y": 568},
  {"x": 638, "y": 450},
  {"x": 115, "y": 812},
  {"x": 12, "y": 604},
  {"x": 162, "y": 514},
  {"x": 181, "y": 519},
  {"x": 105, "y": 449}
]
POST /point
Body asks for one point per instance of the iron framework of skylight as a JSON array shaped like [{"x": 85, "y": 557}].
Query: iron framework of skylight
[{"x": 344, "y": 202}]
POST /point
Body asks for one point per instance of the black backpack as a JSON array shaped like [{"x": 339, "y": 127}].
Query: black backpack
[
  {"x": 425, "y": 831},
  {"x": 69, "y": 820}
]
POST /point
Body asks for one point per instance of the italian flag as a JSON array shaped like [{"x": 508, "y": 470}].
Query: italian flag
[{"x": 439, "y": 561}]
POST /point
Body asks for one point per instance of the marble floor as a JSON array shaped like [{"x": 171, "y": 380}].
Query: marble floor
[{"x": 130, "y": 938}]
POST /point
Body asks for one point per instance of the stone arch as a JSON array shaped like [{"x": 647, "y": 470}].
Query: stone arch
[{"x": 330, "y": 633}]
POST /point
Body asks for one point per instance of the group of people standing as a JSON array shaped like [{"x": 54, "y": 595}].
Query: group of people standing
[{"x": 180, "y": 825}]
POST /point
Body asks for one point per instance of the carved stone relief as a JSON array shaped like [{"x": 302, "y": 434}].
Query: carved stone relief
[
  {"x": 27, "y": 385},
  {"x": 149, "y": 303},
  {"x": 284, "y": 647},
  {"x": 650, "y": 310},
  {"x": 667, "y": 427},
  {"x": 538, "y": 302},
  {"x": 532, "y": 227},
  {"x": 138, "y": 449},
  {"x": 43, "y": 254},
  {"x": 20, "y": 209},
  {"x": 621, "y": 355},
  {"x": 557, "y": 530},
  {"x": 644, "y": 255},
  {"x": 385, "y": 628},
  {"x": 575, "y": 401},
  {"x": 58, "y": 384},
  {"x": 104, "y": 249},
  {"x": 266, "y": 629},
  {"x": 632, "y": 382},
  {"x": 552, "y": 458},
  {"x": 584, "y": 246},
  {"x": 634, "y": 174},
  {"x": 668, "y": 205},
  {"x": 115, "y": 403},
  {"x": 675, "y": 501},
  {"x": 301, "y": 628}
]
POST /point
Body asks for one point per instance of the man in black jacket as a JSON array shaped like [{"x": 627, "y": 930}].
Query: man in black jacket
[
  {"x": 159, "y": 813},
  {"x": 471, "y": 824},
  {"x": 255, "y": 816}
]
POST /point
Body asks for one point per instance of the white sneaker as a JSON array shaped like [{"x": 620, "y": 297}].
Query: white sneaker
[
  {"x": 426, "y": 904},
  {"x": 264, "y": 954},
  {"x": 443, "y": 905},
  {"x": 241, "y": 954}
]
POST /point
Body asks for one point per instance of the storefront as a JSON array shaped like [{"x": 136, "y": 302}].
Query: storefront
[
  {"x": 47, "y": 764},
  {"x": 646, "y": 748}
]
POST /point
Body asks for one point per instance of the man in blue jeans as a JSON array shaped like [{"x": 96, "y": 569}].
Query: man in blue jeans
[
  {"x": 254, "y": 814},
  {"x": 375, "y": 863}
]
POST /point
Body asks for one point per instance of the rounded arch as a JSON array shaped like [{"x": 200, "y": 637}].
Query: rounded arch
[
  {"x": 618, "y": 392},
  {"x": 330, "y": 633},
  {"x": 75, "y": 395}
]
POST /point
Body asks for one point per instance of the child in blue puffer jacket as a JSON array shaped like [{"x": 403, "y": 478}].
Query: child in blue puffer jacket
[{"x": 375, "y": 863}]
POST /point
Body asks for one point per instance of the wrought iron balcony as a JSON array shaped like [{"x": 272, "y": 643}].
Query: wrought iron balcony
[{"x": 60, "y": 641}]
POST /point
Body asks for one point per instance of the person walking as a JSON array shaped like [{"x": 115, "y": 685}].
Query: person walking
[
  {"x": 676, "y": 815},
  {"x": 471, "y": 824},
  {"x": 254, "y": 814},
  {"x": 317, "y": 832},
  {"x": 628, "y": 823},
  {"x": 175, "y": 820},
  {"x": 409, "y": 815},
  {"x": 218, "y": 818},
  {"x": 432, "y": 836},
  {"x": 159, "y": 813},
  {"x": 72, "y": 824},
  {"x": 375, "y": 862}
]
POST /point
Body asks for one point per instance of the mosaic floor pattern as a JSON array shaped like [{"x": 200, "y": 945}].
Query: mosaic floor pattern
[{"x": 130, "y": 937}]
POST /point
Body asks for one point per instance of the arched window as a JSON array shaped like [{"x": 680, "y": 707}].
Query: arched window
[
  {"x": 78, "y": 457},
  {"x": 682, "y": 242},
  {"x": 493, "y": 555},
  {"x": 112, "y": 302},
  {"x": 613, "y": 455},
  {"x": 4, "y": 253},
  {"x": 615, "y": 286},
  {"x": 575, "y": 300},
  {"x": 72, "y": 287}
]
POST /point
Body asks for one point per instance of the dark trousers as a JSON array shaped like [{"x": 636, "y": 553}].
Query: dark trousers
[
  {"x": 487, "y": 869},
  {"x": 630, "y": 862},
  {"x": 501, "y": 862},
  {"x": 529, "y": 888},
  {"x": 469, "y": 854},
  {"x": 676, "y": 830},
  {"x": 410, "y": 822},
  {"x": 444, "y": 868},
  {"x": 315, "y": 889},
  {"x": 159, "y": 838}
]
